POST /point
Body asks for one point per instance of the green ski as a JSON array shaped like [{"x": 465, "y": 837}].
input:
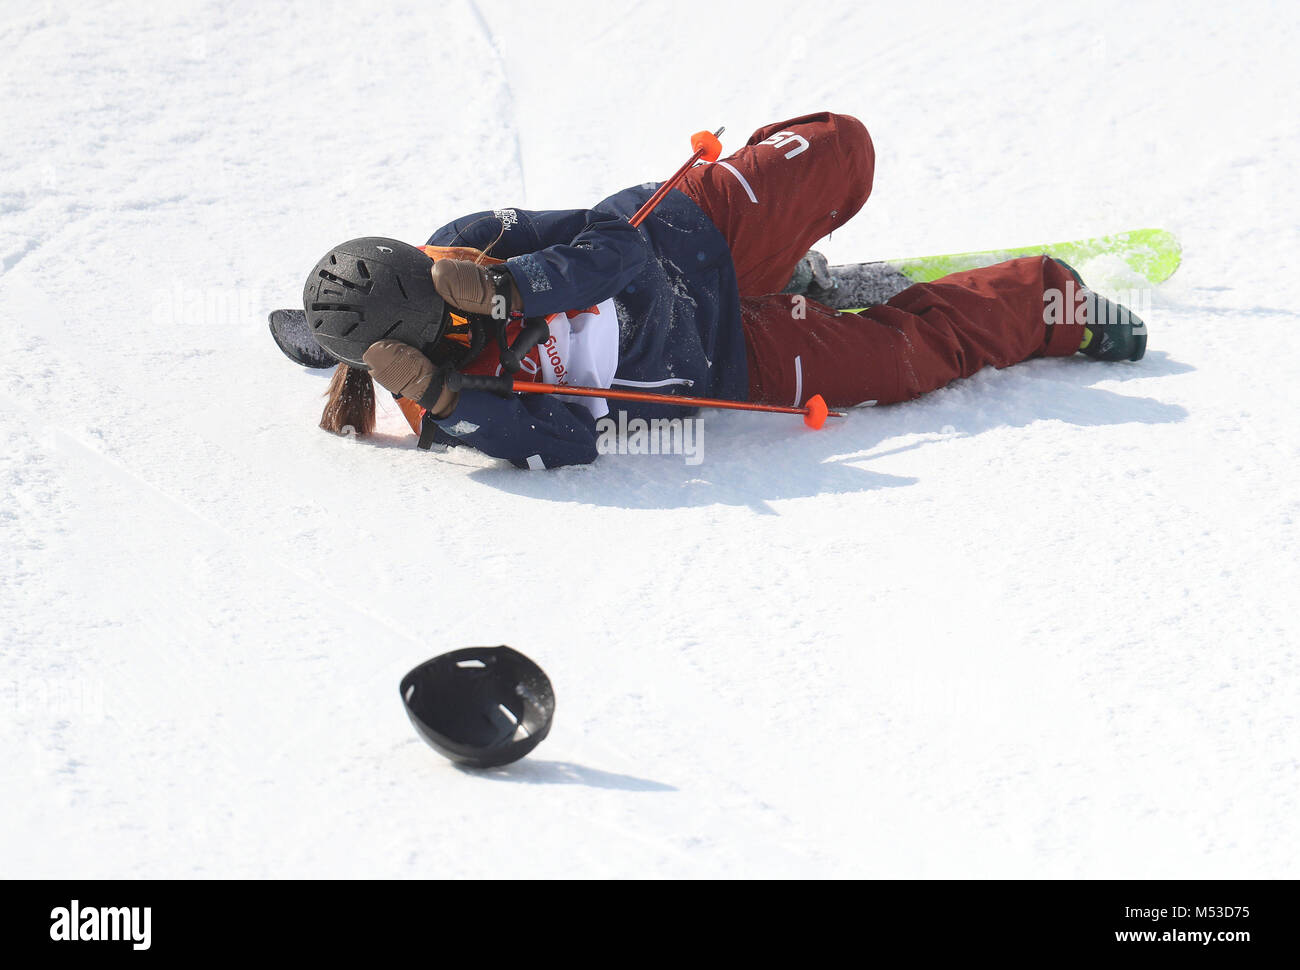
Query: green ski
[{"x": 1141, "y": 257}]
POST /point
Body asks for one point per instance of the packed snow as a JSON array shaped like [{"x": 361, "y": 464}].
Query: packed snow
[{"x": 1036, "y": 624}]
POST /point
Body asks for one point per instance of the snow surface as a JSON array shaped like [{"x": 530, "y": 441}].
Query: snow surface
[{"x": 1036, "y": 624}]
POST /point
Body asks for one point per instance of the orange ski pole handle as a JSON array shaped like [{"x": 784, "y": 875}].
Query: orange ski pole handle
[
  {"x": 814, "y": 412},
  {"x": 706, "y": 147}
]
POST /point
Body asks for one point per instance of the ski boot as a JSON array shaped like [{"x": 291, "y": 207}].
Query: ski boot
[{"x": 1111, "y": 331}]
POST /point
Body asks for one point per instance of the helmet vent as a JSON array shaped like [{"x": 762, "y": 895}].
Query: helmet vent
[
  {"x": 384, "y": 335},
  {"x": 398, "y": 281},
  {"x": 363, "y": 287},
  {"x": 318, "y": 307},
  {"x": 361, "y": 268}
]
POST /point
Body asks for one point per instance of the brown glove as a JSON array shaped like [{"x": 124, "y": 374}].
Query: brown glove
[
  {"x": 408, "y": 373},
  {"x": 469, "y": 287}
]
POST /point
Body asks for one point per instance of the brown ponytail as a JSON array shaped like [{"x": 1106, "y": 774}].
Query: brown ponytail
[{"x": 351, "y": 402}]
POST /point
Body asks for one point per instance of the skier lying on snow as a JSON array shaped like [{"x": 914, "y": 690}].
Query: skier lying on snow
[{"x": 690, "y": 302}]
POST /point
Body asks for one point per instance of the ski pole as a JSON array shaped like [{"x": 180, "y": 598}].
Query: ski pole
[
  {"x": 706, "y": 146},
  {"x": 814, "y": 412}
]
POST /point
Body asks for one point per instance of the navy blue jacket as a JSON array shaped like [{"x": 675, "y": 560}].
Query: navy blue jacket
[{"x": 674, "y": 288}]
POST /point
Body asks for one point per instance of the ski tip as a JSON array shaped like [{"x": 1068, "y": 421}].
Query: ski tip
[
  {"x": 1155, "y": 254},
  {"x": 815, "y": 412}
]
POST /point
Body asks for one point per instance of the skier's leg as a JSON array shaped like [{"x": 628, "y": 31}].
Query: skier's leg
[
  {"x": 928, "y": 335},
  {"x": 792, "y": 183}
]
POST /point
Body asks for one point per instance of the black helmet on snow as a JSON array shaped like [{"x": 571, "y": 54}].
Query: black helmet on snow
[{"x": 371, "y": 289}]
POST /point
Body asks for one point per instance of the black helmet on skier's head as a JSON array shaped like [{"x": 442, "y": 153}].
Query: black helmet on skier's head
[{"x": 372, "y": 289}]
